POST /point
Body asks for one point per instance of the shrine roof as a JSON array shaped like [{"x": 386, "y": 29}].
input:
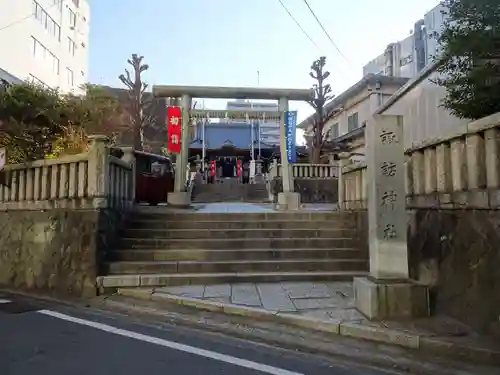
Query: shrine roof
[{"x": 218, "y": 135}]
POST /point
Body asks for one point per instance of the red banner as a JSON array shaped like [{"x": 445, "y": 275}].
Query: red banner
[
  {"x": 238, "y": 167},
  {"x": 174, "y": 118},
  {"x": 212, "y": 167}
]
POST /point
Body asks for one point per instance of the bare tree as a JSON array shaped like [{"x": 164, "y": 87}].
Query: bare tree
[
  {"x": 140, "y": 106},
  {"x": 322, "y": 94}
]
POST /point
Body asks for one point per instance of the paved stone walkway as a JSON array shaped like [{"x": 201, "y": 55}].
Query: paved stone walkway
[
  {"x": 235, "y": 207},
  {"x": 232, "y": 207},
  {"x": 323, "y": 301},
  {"x": 243, "y": 207}
]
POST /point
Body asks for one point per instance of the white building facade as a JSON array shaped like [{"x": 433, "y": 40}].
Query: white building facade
[
  {"x": 269, "y": 129},
  {"x": 408, "y": 57},
  {"x": 46, "y": 41}
]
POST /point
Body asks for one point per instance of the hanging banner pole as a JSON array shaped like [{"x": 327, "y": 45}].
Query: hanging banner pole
[
  {"x": 259, "y": 134},
  {"x": 203, "y": 143},
  {"x": 290, "y": 134},
  {"x": 252, "y": 150}
]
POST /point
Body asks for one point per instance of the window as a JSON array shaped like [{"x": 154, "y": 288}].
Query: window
[
  {"x": 334, "y": 131},
  {"x": 72, "y": 19},
  {"x": 46, "y": 21},
  {"x": 71, "y": 46},
  {"x": 58, "y": 4},
  {"x": 352, "y": 122},
  {"x": 70, "y": 77},
  {"x": 47, "y": 58}
]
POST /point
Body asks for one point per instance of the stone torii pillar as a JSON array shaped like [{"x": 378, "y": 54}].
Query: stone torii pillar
[
  {"x": 180, "y": 197},
  {"x": 288, "y": 199}
]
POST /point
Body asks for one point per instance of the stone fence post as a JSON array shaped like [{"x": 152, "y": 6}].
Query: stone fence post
[
  {"x": 343, "y": 157},
  {"x": 98, "y": 167},
  {"x": 129, "y": 157}
]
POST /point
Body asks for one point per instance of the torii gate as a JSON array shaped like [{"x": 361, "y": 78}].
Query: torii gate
[{"x": 288, "y": 198}]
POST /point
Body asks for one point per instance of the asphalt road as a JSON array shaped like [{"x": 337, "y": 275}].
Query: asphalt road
[{"x": 61, "y": 340}]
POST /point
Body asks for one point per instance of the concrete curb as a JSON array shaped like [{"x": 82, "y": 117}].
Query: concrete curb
[{"x": 431, "y": 345}]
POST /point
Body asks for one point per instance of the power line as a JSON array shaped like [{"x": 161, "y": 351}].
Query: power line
[
  {"x": 25, "y": 18},
  {"x": 298, "y": 24},
  {"x": 326, "y": 32}
]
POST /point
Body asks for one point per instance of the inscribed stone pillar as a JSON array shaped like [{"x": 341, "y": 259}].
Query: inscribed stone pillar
[
  {"x": 388, "y": 292},
  {"x": 387, "y": 198},
  {"x": 288, "y": 199}
]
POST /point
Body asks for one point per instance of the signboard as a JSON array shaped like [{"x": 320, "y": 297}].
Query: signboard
[
  {"x": 174, "y": 118},
  {"x": 252, "y": 168},
  {"x": 291, "y": 135}
]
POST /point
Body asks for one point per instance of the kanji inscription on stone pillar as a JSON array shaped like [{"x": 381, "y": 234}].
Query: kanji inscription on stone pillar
[{"x": 387, "y": 198}]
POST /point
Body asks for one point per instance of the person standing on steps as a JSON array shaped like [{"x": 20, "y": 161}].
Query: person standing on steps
[{"x": 245, "y": 173}]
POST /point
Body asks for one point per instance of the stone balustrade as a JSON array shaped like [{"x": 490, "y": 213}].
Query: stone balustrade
[
  {"x": 461, "y": 170},
  {"x": 92, "y": 179},
  {"x": 306, "y": 171},
  {"x": 355, "y": 192},
  {"x": 120, "y": 183}
]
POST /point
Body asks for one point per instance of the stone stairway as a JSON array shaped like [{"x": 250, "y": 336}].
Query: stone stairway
[
  {"x": 230, "y": 191},
  {"x": 201, "y": 248}
]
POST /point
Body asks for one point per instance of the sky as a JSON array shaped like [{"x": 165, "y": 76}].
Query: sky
[{"x": 226, "y": 42}]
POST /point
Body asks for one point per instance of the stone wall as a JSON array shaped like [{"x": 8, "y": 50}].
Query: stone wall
[
  {"x": 361, "y": 235},
  {"x": 457, "y": 253},
  {"x": 312, "y": 190},
  {"x": 56, "y": 252}
]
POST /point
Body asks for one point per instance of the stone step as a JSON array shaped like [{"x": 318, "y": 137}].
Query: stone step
[
  {"x": 242, "y": 225},
  {"x": 238, "y": 266},
  {"x": 242, "y": 243},
  {"x": 164, "y": 214},
  {"x": 175, "y": 279},
  {"x": 210, "y": 198},
  {"x": 232, "y": 254},
  {"x": 232, "y": 196},
  {"x": 238, "y": 233}
]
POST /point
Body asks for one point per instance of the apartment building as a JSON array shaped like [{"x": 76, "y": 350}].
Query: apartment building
[
  {"x": 409, "y": 56},
  {"x": 350, "y": 111},
  {"x": 45, "y": 41},
  {"x": 269, "y": 129}
]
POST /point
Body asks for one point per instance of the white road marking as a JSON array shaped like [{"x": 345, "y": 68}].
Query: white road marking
[
  {"x": 5, "y": 301},
  {"x": 171, "y": 344}
]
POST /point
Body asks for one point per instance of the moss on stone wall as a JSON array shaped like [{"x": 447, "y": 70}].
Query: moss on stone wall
[
  {"x": 457, "y": 253},
  {"x": 57, "y": 251}
]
